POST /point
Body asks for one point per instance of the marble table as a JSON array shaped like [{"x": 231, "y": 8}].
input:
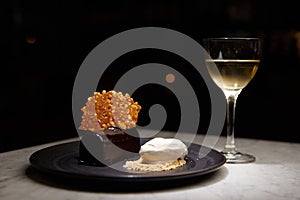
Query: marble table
[{"x": 274, "y": 175}]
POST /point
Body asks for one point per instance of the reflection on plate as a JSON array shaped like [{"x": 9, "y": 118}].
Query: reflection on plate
[{"x": 62, "y": 160}]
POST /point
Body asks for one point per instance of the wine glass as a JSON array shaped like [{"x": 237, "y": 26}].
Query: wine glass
[{"x": 232, "y": 63}]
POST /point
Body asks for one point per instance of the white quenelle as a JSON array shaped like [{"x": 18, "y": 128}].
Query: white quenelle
[{"x": 163, "y": 150}]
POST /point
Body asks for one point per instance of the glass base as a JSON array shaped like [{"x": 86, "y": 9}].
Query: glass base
[{"x": 238, "y": 157}]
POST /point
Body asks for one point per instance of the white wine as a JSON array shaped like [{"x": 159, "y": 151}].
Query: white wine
[
  {"x": 235, "y": 62},
  {"x": 232, "y": 74}
]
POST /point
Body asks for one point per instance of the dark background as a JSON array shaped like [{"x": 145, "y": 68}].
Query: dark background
[{"x": 43, "y": 44}]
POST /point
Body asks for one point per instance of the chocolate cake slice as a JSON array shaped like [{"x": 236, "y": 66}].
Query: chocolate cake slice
[{"x": 108, "y": 147}]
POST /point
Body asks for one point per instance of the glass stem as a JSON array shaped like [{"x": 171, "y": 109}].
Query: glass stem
[{"x": 230, "y": 144}]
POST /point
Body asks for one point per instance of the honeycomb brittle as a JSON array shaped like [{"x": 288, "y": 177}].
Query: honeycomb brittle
[{"x": 109, "y": 109}]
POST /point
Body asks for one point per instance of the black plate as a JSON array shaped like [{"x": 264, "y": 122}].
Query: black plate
[{"x": 62, "y": 160}]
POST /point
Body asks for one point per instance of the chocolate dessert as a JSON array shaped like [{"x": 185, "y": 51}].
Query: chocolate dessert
[
  {"x": 107, "y": 131},
  {"x": 103, "y": 146}
]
